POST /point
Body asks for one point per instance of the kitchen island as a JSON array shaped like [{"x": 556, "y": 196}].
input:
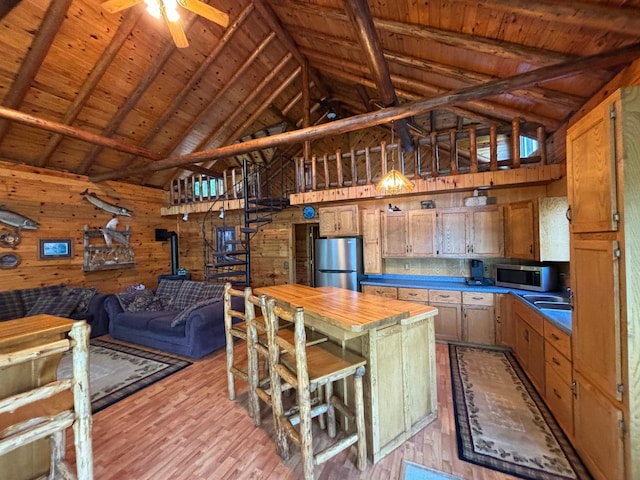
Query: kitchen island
[{"x": 397, "y": 340}]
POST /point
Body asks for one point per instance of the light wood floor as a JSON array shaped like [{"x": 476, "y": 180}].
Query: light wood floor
[{"x": 185, "y": 428}]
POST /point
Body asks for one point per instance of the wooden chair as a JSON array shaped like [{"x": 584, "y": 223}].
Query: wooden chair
[
  {"x": 235, "y": 326},
  {"x": 308, "y": 369},
  {"x": 258, "y": 349}
]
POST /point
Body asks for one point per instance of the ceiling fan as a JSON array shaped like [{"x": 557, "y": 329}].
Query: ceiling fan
[{"x": 168, "y": 10}]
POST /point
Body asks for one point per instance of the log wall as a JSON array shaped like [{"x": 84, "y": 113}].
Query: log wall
[{"x": 55, "y": 201}]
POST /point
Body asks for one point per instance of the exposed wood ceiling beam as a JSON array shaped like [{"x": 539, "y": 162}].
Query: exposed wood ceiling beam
[
  {"x": 608, "y": 59},
  {"x": 69, "y": 131},
  {"x": 170, "y": 111},
  {"x": 615, "y": 18},
  {"x": 124, "y": 30},
  {"x": 466, "y": 77},
  {"x": 360, "y": 15},
  {"x": 133, "y": 97},
  {"x": 42, "y": 41},
  {"x": 6, "y": 6},
  {"x": 266, "y": 11},
  {"x": 499, "y": 48}
]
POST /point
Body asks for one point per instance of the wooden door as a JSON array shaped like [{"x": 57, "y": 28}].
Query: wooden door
[
  {"x": 453, "y": 232},
  {"x": 478, "y": 325},
  {"x": 276, "y": 263},
  {"x": 422, "y": 233},
  {"x": 371, "y": 242},
  {"x": 553, "y": 229},
  {"x": 596, "y": 340},
  {"x": 519, "y": 233},
  {"x": 591, "y": 171},
  {"x": 486, "y": 226},
  {"x": 505, "y": 324},
  {"x": 521, "y": 349},
  {"x": 347, "y": 218},
  {"x": 535, "y": 365},
  {"x": 448, "y": 322},
  {"x": 597, "y": 427},
  {"x": 394, "y": 234}
]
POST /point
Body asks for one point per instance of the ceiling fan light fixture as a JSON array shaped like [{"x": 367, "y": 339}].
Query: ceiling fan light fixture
[
  {"x": 171, "y": 8},
  {"x": 153, "y": 7}
]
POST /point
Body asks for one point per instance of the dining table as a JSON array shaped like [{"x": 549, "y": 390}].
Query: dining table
[{"x": 397, "y": 340}]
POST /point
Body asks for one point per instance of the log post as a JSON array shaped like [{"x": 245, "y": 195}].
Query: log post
[
  {"x": 339, "y": 168},
  {"x": 493, "y": 147},
  {"x": 367, "y": 158},
  {"x": 325, "y": 161},
  {"x": 314, "y": 177},
  {"x": 473, "y": 151},
  {"x": 417, "y": 158},
  {"x": 383, "y": 158},
  {"x": 233, "y": 183},
  {"x": 435, "y": 161},
  {"x": 515, "y": 142},
  {"x": 542, "y": 145},
  {"x": 453, "y": 152},
  {"x": 354, "y": 168}
]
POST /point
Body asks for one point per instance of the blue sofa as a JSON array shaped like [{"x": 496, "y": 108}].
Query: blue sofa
[
  {"x": 77, "y": 303},
  {"x": 182, "y": 317}
]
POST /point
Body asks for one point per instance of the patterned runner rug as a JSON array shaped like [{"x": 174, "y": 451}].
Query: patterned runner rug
[
  {"x": 116, "y": 371},
  {"x": 502, "y": 423}
]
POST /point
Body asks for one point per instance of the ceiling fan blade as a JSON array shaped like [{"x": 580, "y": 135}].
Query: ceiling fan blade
[
  {"x": 113, "y": 6},
  {"x": 206, "y": 11},
  {"x": 177, "y": 33}
]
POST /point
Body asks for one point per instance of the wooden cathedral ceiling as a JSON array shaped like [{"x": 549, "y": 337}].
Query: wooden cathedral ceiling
[{"x": 109, "y": 95}]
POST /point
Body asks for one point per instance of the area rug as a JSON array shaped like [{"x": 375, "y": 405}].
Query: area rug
[
  {"x": 502, "y": 423},
  {"x": 413, "y": 471},
  {"x": 117, "y": 371}
]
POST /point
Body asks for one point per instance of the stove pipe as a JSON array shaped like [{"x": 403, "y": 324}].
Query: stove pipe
[{"x": 162, "y": 235}]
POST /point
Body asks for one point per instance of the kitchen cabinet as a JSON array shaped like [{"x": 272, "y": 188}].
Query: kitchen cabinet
[
  {"x": 604, "y": 228},
  {"x": 537, "y": 230},
  {"x": 371, "y": 241},
  {"x": 478, "y": 318},
  {"x": 505, "y": 326},
  {"x": 339, "y": 221},
  {"x": 409, "y": 234},
  {"x": 529, "y": 342},
  {"x": 448, "y": 322},
  {"x": 557, "y": 375},
  {"x": 389, "y": 292},
  {"x": 471, "y": 232}
]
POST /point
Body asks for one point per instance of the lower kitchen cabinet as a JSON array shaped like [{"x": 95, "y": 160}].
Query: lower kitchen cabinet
[
  {"x": 389, "y": 292},
  {"x": 478, "y": 318},
  {"x": 529, "y": 343},
  {"x": 505, "y": 327},
  {"x": 448, "y": 322}
]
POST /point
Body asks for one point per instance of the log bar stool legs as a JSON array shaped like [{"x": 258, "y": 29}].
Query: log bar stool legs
[
  {"x": 307, "y": 369},
  {"x": 235, "y": 330}
]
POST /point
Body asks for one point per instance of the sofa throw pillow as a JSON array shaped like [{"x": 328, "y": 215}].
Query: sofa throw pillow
[
  {"x": 30, "y": 295},
  {"x": 10, "y": 305},
  {"x": 188, "y": 294},
  {"x": 84, "y": 293},
  {"x": 169, "y": 287},
  {"x": 212, "y": 290},
  {"x": 135, "y": 301},
  {"x": 181, "y": 318},
  {"x": 58, "y": 305}
]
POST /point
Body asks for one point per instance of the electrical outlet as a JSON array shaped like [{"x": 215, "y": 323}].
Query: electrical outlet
[
  {"x": 406, "y": 266},
  {"x": 486, "y": 270}
]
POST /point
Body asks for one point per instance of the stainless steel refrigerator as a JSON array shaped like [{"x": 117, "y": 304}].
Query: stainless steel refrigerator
[{"x": 338, "y": 262}]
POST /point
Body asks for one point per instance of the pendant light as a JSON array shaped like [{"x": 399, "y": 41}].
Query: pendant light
[{"x": 394, "y": 181}]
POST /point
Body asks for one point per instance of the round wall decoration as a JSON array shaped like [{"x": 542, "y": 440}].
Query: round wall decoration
[
  {"x": 309, "y": 212},
  {"x": 9, "y": 260}
]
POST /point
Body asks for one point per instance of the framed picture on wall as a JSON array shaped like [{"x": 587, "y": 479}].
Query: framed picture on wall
[{"x": 51, "y": 248}]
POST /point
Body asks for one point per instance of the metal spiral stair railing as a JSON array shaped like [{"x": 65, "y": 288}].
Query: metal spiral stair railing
[{"x": 224, "y": 262}]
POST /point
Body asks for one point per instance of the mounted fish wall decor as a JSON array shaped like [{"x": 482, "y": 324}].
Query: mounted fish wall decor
[
  {"x": 16, "y": 220},
  {"x": 106, "y": 206}
]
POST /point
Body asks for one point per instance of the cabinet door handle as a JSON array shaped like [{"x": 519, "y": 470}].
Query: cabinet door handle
[
  {"x": 530, "y": 248},
  {"x": 413, "y": 294},
  {"x": 555, "y": 361},
  {"x": 526, "y": 335},
  {"x": 445, "y": 296},
  {"x": 568, "y": 214},
  {"x": 477, "y": 298},
  {"x": 557, "y": 394},
  {"x": 555, "y": 337}
]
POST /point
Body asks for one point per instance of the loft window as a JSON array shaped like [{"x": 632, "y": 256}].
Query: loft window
[
  {"x": 209, "y": 188},
  {"x": 527, "y": 146}
]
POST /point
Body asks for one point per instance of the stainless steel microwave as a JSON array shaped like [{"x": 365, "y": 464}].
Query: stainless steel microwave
[{"x": 527, "y": 277}]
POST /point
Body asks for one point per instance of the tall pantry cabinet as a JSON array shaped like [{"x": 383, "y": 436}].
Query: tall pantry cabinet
[{"x": 603, "y": 172}]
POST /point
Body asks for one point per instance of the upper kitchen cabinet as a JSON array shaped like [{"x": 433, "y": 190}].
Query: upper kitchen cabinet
[
  {"x": 471, "y": 232},
  {"x": 371, "y": 241},
  {"x": 537, "y": 230},
  {"x": 409, "y": 234},
  {"x": 592, "y": 149},
  {"x": 339, "y": 221}
]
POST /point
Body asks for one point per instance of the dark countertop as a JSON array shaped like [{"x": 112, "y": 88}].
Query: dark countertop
[{"x": 560, "y": 318}]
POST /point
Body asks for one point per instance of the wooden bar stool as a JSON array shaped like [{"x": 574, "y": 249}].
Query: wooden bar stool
[
  {"x": 307, "y": 369},
  {"x": 235, "y": 327},
  {"x": 258, "y": 348}
]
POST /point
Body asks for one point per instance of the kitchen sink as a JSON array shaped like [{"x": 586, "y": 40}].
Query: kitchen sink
[
  {"x": 553, "y": 305},
  {"x": 545, "y": 298}
]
